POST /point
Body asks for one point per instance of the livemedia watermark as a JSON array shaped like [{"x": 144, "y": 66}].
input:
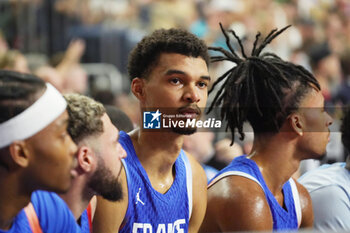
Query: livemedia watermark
[{"x": 167, "y": 119}]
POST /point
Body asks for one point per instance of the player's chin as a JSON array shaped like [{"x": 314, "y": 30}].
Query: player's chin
[
  {"x": 321, "y": 155},
  {"x": 184, "y": 131}
]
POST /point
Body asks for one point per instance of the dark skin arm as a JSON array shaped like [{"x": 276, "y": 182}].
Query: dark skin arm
[{"x": 236, "y": 204}]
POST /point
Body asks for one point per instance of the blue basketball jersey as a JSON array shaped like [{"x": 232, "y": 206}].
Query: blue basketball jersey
[
  {"x": 84, "y": 222},
  {"x": 283, "y": 219},
  {"x": 53, "y": 214},
  {"x": 148, "y": 210}
]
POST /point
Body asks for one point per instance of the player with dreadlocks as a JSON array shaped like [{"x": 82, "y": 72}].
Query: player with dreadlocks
[{"x": 284, "y": 105}]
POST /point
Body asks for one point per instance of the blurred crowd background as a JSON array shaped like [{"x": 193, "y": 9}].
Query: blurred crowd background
[{"x": 83, "y": 45}]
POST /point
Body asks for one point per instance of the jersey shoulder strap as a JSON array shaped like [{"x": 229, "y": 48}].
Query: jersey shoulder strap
[
  {"x": 32, "y": 218},
  {"x": 89, "y": 214},
  {"x": 296, "y": 198}
]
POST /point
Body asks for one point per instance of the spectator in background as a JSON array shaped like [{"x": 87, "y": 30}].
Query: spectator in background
[
  {"x": 106, "y": 97},
  {"x": 200, "y": 145},
  {"x": 129, "y": 105},
  {"x": 326, "y": 67},
  {"x": 224, "y": 11},
  {"x": 171, "y": 14},
  {"x": 329, "y": 188},
  {"x": 14, "y": 60},
  {"x": 68, "y": 66},
  {"x": 3, "y": 44},
  {"x": 50, "y": 75},
  {"x": 92, "y": 12},
  {"x": 343, "y": 93},
  {"x": 76, "y": 79},
  {"x": 225, "y": 153},
  {"x": 64, "y": 71},
  {"x": 119, "y": 118},
  {"x": 307, "y": 29}
]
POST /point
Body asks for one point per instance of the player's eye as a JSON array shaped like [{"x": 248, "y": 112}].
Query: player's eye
[
  {"x": 202, "y": 84},
  {"x": 175, "y": 81}
]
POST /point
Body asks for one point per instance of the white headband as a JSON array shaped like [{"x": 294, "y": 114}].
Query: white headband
[{"x": 35, "y": 118}]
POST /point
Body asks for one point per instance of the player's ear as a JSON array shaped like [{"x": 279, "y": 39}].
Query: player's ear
[
  {"x": 296, "y": 123},
  {"x": 85, "y": 158},
  {"x": 137, "y": 87},
  {"x": 19, "y": 153}
]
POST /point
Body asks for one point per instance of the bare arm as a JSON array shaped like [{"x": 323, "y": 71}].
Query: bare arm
[
  {"x": 236, "y": 204},
  {"x": 199, "y": 187},
  {"x": 110, "y": 215},
  {"x": 307, "y": 219}
]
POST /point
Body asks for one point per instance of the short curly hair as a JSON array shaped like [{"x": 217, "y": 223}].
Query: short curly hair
[
  {"x": 84, "y": 116},
  {"x": 345, "y": 129},
  {"x": 147, "y": 52}
]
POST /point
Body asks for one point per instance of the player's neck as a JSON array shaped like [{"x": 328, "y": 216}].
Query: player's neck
[
  {"x": 276, "y": 161},
  {"x": 77, "y": 197},
  {"x": 159, "y": 142},
  {"x": 12, "y": 201},
  {"x": 157, "y": 150}
]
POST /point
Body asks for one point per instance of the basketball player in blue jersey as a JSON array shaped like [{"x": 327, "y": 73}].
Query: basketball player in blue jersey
[
  {"x": 36, "y": 152},
  {"x": 99, "y": 157},
  {"x": 166, "y": 186},
  {"x": 284, "y": 105}
]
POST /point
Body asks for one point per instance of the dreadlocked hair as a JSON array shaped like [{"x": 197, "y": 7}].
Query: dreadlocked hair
[{"x": 261, "y": 89}]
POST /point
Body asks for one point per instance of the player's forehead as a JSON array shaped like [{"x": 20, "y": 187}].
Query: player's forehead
[
  {"x": 61, "y": 121},
  {"x": 176, "y": 63},
  {"x": 109, "y": 130},
  {"x": 58, "y": 125},
  {"x": 49, "y": 135}
]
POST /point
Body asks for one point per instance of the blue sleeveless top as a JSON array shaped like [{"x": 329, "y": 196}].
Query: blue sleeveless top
[
  {"x": 283, "y": 219},
  {"x": 149, "y": 210},
  {"x": 53, "y": 215},
  {"x": 84, "y": 222}
]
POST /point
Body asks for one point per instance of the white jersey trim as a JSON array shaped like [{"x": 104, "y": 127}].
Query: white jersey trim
[
  {"x": 188, "y": 183},
  {"x": 296, "y": 200},
  {"x": 233, "y": 173}
]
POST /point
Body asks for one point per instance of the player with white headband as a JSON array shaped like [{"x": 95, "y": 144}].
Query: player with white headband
[{"x": 36, "y": 152}]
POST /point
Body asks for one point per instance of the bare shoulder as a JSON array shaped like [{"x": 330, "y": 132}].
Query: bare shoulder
[
  {"x": 307, "y": 219},
  {"x": 236, "y": 203},
  {"x": 110, "y": 215}
]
